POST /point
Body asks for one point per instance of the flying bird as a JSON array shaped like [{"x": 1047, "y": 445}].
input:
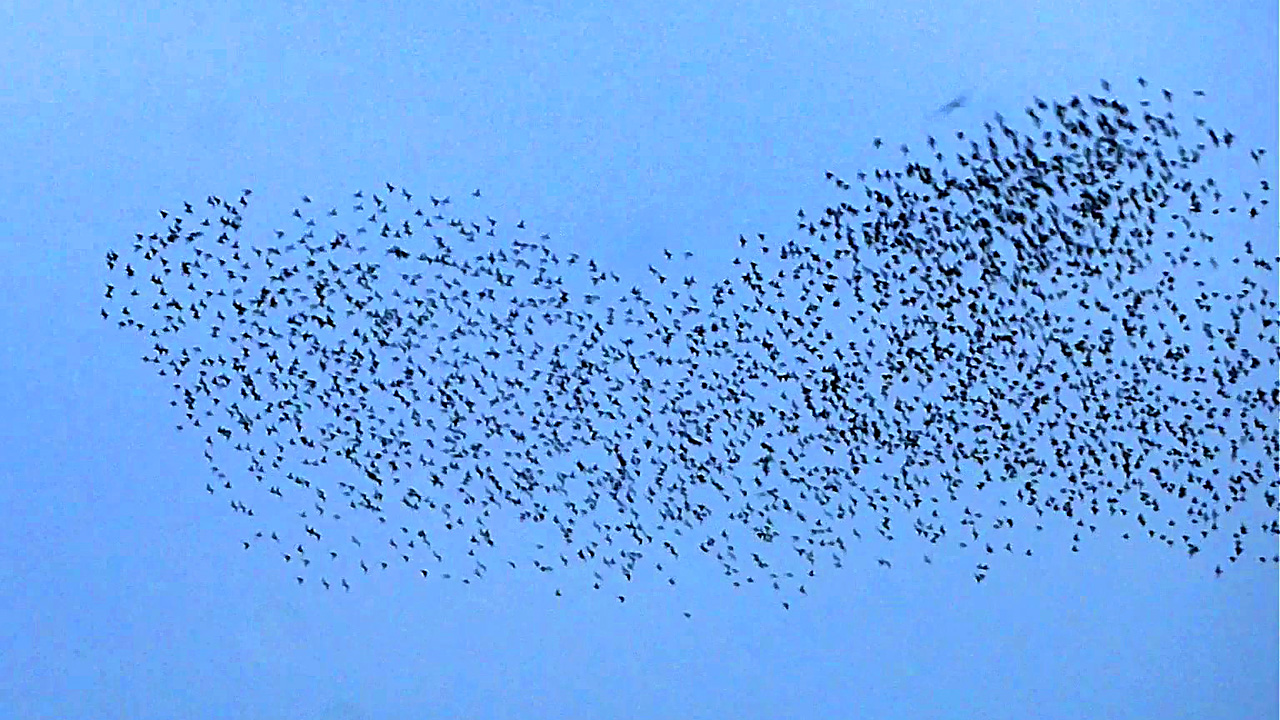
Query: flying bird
[
  {"x": 946, "y": 353},
  {"x": 952, "y": 105}
]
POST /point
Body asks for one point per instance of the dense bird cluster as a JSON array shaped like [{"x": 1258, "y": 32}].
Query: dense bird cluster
[{"x": 1027, "y": 327}]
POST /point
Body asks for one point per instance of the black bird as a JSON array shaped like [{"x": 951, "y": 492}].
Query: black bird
[{"x": 974, "y": 322}]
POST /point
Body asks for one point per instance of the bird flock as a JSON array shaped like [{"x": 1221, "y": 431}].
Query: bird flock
[{"x": 1019, "y": 328}]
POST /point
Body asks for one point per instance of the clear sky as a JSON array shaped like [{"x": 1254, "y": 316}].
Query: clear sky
[{"x": 619, "y": 129}]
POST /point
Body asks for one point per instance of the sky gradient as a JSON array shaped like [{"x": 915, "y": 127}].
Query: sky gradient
[{"x": 618, "y": 131}]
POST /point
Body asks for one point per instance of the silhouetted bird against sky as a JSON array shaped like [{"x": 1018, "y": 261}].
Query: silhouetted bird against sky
[
  {"x": 952, "y": 105},
  {"x": 1006, "y": 327}
]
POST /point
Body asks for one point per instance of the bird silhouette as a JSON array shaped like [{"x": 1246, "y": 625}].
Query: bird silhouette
[
  {"x": 1004, "y": 328},
  {"x": 953, "y": 104}
]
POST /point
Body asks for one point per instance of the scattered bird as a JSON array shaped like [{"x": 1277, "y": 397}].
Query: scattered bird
[{"x": 952, "y": 105}]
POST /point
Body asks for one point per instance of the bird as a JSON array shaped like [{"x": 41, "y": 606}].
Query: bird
[
  {"x": 986, "y": 321},
  {"x": 953, "y": 104}
]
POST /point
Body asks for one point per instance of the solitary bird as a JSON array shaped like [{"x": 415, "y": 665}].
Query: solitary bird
[{"x": 952, "y": 105}]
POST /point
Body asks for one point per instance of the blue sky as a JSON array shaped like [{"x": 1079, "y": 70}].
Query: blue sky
[{"x": 618, "y": 130}]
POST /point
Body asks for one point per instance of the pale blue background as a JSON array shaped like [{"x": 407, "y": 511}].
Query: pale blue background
[{"x": 619, "y": 128}]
